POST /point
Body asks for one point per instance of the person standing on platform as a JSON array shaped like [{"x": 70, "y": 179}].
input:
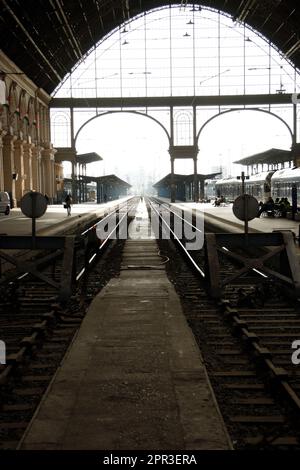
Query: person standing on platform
[{"x": 67, "y": 205}]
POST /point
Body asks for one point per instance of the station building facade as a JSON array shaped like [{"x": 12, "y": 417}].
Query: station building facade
[{"x": 27, "y": 156}]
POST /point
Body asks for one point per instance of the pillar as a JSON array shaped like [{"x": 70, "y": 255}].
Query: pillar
[
  {"x": 201, "y": 188},
  {"x": 295, "y": 153},
  {"x": 74, "y": 182},
  {"x": 85, "y": 184},
  {"x": 2, "y": 134},
  {"x": 196, "y": 188},
  {"x": 27, "y": 160},
  {"x": 48, "y": 172},
  {"x": 196, "y": 183},
  {"x": 173, "y": 187},
  {"x": 295, "y": 145},
  {"x": 9, "y": 166},
  {"x": 35, "y": 167},
  {"x": 19, "y": 168}
]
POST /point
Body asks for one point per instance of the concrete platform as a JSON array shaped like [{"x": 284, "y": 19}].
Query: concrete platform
[
  {"x": 224, "y": 218},
  {"x": 54, "y": 221},
  {"x": 134, "y": 377}
]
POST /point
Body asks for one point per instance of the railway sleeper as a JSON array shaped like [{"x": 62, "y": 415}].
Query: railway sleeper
[
  {"x": 18, "y": 357},
  {"x": 281, "y": 441},
  {"x": 4, "y": 375},
  {"x": 278, "y": 375}
]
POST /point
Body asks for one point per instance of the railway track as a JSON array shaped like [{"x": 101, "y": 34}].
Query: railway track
[
  {"x": 245, "y": 339},
  {"x": 38, "y": 330}
]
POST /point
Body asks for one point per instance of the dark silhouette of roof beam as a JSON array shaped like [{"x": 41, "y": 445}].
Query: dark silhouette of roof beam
[
  {"x": 293, "y": 49},
  {"x": 246, "y": 6},
  {"x": 100, "y": 16},
  {"x": 31, "y": 40},
  {"x": 127, "y": 9},
  {"x": 113, "y": 9},
  {"x": 87, "y": 22},
  {"x": 66, "y": 26}
]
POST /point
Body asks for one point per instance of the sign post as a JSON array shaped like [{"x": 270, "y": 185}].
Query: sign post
[
  {"x": 245, "y": 208},
  {"x": 33, "y": 205}
]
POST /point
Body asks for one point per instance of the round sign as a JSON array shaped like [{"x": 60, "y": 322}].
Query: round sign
[
  {"x": 245, "y": 207},
  {"x": 33, "y": 204}
]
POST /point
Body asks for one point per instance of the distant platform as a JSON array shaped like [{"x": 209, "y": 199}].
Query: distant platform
[
  {"x": 54, "y": 220},
  {"x": 224, "y": 218}
]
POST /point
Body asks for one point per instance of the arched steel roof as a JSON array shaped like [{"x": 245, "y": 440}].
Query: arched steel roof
[{"x": 46, "y": 38}]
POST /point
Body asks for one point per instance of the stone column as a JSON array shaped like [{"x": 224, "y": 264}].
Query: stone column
[
  {"x": 39, "y": 169},
  {"x": 2, "y": 134},
  {"x": 35, "y": 156},
  {"x": 19, "y": 167},
  {"x": 27, "y": 160},
  {"x": 9, "y": 166},
  {"x": 48, "y": 170}
]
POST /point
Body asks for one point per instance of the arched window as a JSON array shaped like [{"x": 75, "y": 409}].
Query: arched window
[
  {"x": 14, "y": 112},
  {"x": 183, "y": 128},
  {"x": 60, "y": 128},
  {"x": 180, "y": 51}
]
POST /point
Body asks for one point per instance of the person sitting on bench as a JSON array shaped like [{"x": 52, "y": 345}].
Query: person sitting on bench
[
  {"x": 285, "y": 206},
  {"x": 269, "y": 206}
]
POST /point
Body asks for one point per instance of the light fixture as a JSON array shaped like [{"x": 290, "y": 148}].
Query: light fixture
[
  {"x": 186, "y": 35},
  {"x": 139, "y": 73},
  {"x": 125, "y": 43},
  {"x": 124, "y": 30},
  {"x": 196, "y": 9},
  {"x": 190, "y": 22},
  {"x": 248, "y": 39},
  {"x": 259, "y": 68}
]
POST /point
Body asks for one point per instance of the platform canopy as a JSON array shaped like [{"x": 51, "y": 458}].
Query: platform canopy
[
  {"x": 85, "y": 158},
  {"x": 166, "y": 181},
  {"x": 269, "y": 157},
  {"x": 107, "y": 179}
]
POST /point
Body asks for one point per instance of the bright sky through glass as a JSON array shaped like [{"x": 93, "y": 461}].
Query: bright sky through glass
[{"x": 174, "y": 52}]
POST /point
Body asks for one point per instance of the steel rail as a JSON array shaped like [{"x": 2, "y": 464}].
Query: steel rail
[
  {"x": 195, "y": 228},
  {"x": 199, "y": 270},
  {"x": 177, "y": 215},
  {"x": 83, "y": 270},
  {"x": 114, "y": 210}
]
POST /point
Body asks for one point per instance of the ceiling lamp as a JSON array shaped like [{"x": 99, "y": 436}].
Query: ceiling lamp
[
  {"x": 186, "y": 35},
  {"x": 125, "y": 43},
  {"x": 196, "y": 9}
]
